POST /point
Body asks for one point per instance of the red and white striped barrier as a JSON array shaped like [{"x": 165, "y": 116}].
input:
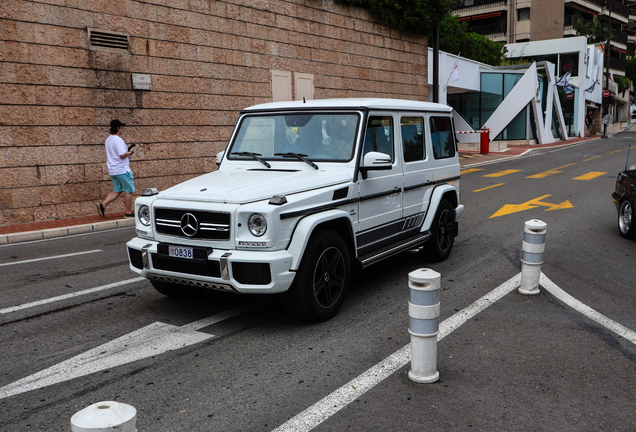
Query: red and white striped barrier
[{"x": 475, "y": 131}]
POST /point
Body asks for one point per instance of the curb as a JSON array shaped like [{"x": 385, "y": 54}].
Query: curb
[{"x": 51, "y": 233}]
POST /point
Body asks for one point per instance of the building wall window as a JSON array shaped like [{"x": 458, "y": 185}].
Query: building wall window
[{"x": 491, "y": 94}]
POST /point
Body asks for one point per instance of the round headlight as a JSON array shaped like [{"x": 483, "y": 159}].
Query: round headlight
[
  {"x": 257, "y": 224},
  {"x": 143, "y": 214}
]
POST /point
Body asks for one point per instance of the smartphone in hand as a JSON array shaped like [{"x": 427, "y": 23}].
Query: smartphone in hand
[{"x": 131, "y": 146}]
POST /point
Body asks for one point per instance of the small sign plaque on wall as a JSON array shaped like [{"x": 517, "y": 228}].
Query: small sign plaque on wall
[{"x": 141, "y": 82}]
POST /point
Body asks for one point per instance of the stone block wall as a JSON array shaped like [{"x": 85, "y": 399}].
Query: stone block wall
[{"x": 207, "y": 60}]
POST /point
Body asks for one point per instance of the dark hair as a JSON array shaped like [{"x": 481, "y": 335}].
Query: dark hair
[{"x": 113, "y": 131}]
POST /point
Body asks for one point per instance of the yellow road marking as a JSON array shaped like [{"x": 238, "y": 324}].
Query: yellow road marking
[
  {"x": 549, "y": 172},
  {"x": 585, "y": 160},
  {"x": 544, "y": 174},
  {"x": 513, "y": 208},
  {"x": 489, "y": 187},
  {"x": 502, "y": 173},
  {"x": 470, "y": 170},
  {"x": 590, "y": 175},
  {"x": 565, "y": 166},
  {"x": 615, "y": 151}
]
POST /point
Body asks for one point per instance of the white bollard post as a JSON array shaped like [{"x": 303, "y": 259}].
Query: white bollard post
[
  {"x": 424, "y": 310},
  {"x": 532, "y": 256},
  {"x": 105, "y": 417}
]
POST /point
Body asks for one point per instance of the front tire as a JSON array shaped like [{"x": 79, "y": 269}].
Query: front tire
[
  {"x": 442, "y": 232},
  {"x": 322, "y": 279},
  {"x": 626, "y": 225}
]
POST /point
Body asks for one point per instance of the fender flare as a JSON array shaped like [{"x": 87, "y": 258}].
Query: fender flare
[
  {"x": 436, "y": 199},
  {"x": 306, "y": 227}
]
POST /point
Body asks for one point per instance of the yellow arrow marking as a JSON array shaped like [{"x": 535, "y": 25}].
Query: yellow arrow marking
[
  {"x": 501, "y": 173},
  {"x": 589, "y": 176},
  {"x": 513, "y": 208}
]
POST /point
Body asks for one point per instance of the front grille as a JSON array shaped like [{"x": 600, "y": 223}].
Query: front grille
[
  {"x": 251, "y": 273},
  {"x": 203, "y": 225},
  {"x": 194, "y": 267}
]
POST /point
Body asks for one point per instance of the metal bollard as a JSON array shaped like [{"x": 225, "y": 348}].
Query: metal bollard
[
  {"x": 532, "y": 256},
  {"x": 105, "y": 417},
  {"x": 424, "y": 310},
  {"x": 484, "y": 141}
]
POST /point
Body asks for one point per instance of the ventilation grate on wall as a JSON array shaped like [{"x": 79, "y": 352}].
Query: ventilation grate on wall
[{"x": 108, "y": 40}]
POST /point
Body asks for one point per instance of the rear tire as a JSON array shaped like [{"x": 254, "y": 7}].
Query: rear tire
[
  {"x": 172, "y": 290},
  {"x": 442, "y": 233},
  {"x": 322, "y": 279},
  {"x": 626, "y": 225}
]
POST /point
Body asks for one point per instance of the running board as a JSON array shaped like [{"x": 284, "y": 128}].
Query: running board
[{"x": 394, "y": 249}]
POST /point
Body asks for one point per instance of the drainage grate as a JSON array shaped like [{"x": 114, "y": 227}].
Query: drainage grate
[{"x": 108, "y": 40}]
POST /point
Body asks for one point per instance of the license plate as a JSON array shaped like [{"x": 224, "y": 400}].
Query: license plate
[{"x": 181, "y": 252}]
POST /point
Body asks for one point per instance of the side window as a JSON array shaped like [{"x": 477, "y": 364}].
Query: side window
[
  {"x": 379, "y": 136},
  {"x": 413, "y": 138},
  {"x": 442, "y": 137}
]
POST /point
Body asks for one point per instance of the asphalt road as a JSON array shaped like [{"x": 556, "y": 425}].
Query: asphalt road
[{"x": 239, "y": 363}]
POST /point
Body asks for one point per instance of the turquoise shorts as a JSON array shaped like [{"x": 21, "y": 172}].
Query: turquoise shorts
[{"x": 123, "y": 182}]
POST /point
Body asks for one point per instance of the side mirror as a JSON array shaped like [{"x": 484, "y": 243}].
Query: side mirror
[
  {"x": 219, "y": 158},
  {"x": 375, "y": 161}
]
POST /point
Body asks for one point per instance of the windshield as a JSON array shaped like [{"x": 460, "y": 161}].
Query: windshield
[{"x": 315, "y": 136}]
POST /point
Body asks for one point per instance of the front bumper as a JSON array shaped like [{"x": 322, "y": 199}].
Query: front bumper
[
  {"x": 617, "y": 200},
  {"x": 246, "y": 272}
]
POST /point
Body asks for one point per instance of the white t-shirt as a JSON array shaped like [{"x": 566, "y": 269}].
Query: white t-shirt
[{"x": 115, "y": 146}]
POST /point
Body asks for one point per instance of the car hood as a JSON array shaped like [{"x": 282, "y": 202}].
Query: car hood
[{"x": 240, "y": 187}]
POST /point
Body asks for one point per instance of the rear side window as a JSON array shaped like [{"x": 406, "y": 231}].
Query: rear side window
[
  {"x": 442, "y": 137},
  {"x": 413, "y": 138}
]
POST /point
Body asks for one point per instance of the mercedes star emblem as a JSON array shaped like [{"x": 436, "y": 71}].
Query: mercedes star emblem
[{"x": 189, "y": 224}]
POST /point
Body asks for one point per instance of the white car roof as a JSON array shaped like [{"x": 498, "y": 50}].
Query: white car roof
[{"x": 369, "y": 103}]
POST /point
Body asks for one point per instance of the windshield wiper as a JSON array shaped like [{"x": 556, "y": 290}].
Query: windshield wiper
[
  {"x": 298, "y": 156},
  {"x": 254, "y": 156}
]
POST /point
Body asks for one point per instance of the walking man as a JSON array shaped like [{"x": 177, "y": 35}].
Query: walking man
[{"x": 118, "y": 159}]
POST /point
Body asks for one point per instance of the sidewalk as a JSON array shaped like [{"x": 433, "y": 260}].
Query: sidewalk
[
  {"x": 39, "y": 230},
  {"x": 470, "y": 158}
]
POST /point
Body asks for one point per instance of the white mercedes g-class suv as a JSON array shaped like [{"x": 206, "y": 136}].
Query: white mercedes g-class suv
[{"x": 304, "y": 191}]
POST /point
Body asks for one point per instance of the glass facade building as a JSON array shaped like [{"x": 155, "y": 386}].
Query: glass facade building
[{"x": 477, "y": 107}]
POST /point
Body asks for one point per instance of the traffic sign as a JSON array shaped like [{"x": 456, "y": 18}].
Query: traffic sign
[
  {"x": 605, "y": 93},
  {"x": 570, "y": 95}
]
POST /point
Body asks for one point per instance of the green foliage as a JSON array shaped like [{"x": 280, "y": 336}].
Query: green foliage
[
  {"x": 422, "y": 17},
  {"x": 630, "y": 71},
  {"x": 454, "y": 39},
  {"x": 623, "y": 83},
  {"x": 596, "y": 31},
  {"x": 515, "y": 61},
  {"x": 479, "y": 47},
  {"x": 415, "y": 16}
]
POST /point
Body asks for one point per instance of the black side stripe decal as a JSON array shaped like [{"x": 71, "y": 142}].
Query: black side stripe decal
[{"x": 336, "y": 204}]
